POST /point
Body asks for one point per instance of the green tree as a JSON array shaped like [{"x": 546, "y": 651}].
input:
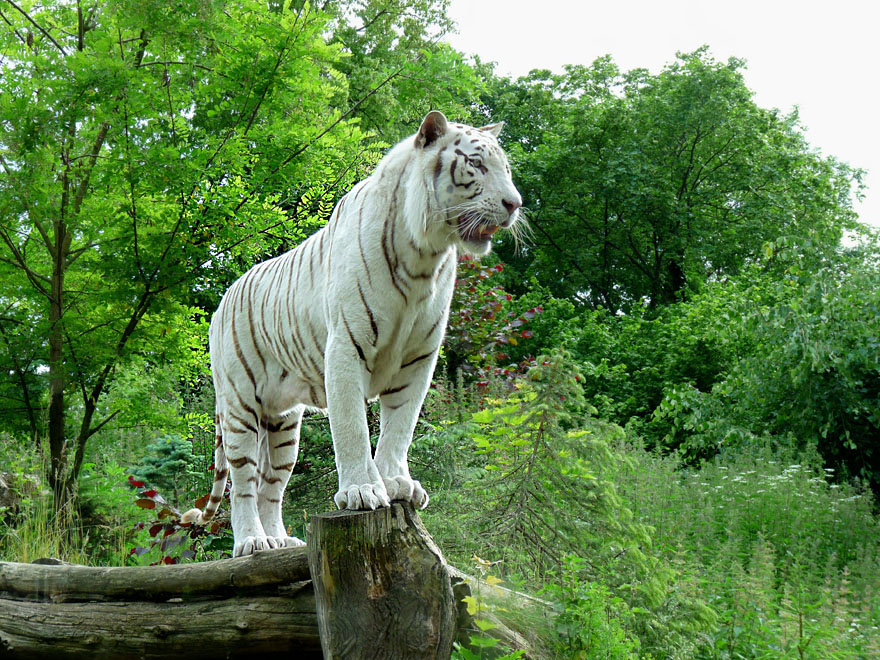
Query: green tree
[
  {"x": 168, "y": 465},
  {"x": 149, "y": 150},
  {"x": 810, "y": 371},
  {"x": 641, "y": 187},
  {"x": 396, "y": 67}
]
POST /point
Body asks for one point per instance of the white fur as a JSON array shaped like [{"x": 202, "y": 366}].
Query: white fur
[{"x": 356, "y": 312}]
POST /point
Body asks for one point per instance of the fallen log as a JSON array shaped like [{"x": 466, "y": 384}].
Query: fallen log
[{"x": 229, "y": 608}]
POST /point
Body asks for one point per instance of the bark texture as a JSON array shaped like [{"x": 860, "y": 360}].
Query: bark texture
[{"x": 382, "y": 587}]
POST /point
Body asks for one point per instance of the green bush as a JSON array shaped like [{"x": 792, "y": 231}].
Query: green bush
[
  {"x": 169, "y": 465},
  {"x": 590, "y": 621},
  {"x": 811, "y": 377}
]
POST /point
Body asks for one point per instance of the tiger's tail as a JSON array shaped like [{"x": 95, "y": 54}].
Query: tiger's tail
[{"x": 221, "y": 472}]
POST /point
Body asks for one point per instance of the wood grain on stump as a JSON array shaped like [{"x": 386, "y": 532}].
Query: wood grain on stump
[{"x": 382, "y": 587}]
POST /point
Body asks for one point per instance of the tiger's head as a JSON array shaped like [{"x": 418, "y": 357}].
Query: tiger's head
[{"x": 468, "y": 175}]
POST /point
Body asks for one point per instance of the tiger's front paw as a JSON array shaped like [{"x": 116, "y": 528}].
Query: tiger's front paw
[
  {"x": 250, "y": 544},
  {"x": 366, "y": 496},
  {"x": 288, "y": 542},
  {"x": 406, "y": 489}
]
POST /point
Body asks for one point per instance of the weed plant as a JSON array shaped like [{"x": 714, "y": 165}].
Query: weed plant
[{"x": 788, "y": 558}]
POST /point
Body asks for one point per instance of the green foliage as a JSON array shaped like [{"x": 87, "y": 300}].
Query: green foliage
[
  {"x": 811, "y": 374},
  {"x": 787, "y": 559},
  {"x": 482, "y": 605},
  {"x": 543, "y": 485},
  {"x": 642, "y": 187},
  {"x": 141, "y": 161},
  {"x": 111, "y": 524},
  {"x": 168, "y": 540},
  {"x": 483, "y": 330},
  {"x": 590, "y": 620},
  {"x": 95, "y": 526},
  {"x": 168, "y": 465},
  {"x": 395, "y": 66}
]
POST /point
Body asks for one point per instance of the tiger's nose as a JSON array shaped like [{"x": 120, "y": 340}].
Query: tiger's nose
[{"x": 511, "y": 206}]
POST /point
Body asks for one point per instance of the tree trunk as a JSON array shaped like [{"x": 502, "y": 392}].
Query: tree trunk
[
  {"x": 677, "y": 282},
  {"x": 382, "y": 587},
  {"x": 56, "y": 373}
]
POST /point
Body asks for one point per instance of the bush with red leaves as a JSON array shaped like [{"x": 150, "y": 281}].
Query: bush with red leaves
[{"x": 173, "y": 540}]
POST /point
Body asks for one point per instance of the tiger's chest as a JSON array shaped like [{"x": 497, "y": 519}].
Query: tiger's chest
[{"x": 411, "y": 330}]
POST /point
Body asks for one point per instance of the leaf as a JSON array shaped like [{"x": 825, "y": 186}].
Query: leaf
[
  {"x": 472, "y": 605},
  {"x": 483, "y": 416},
  {"x": 483, "y": 642},
  {"x": 155, "y": 529},
  {"x": 491, "y": 580},
  {"x": 485, "y": 624},
  {"x": 465, "y": 653},
  {"x": 146, "y": 504},
  {"x": 202, "y": 501}
]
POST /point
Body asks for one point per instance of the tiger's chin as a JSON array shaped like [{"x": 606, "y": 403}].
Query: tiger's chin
[{"x": 476, "y": 239}]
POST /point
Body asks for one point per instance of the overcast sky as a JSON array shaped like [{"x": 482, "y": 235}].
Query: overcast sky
[{"x": 823, "y": 57}]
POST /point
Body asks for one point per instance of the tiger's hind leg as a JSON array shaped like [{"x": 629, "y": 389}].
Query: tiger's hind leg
[
  {"x": 278, "y": 455},
  {"x": 240, "y": 436}
]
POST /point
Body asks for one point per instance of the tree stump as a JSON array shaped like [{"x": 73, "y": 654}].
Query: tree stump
[{"x": 382, "y": 587}]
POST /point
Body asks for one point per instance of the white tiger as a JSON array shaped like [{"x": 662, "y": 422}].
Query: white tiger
[{"x": 357, "y": 311}]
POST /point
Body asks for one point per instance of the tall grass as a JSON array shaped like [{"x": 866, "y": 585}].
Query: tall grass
[
  {"x": 40, "y": 532},
  {"x": 787, "y": 558},
  {"x": 96, "y": 526}
]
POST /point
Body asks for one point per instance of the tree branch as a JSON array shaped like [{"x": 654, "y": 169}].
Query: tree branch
[
  {"x": 36, "y": 25},
  {"x": 93, "y": 157},
  {"x": 19, "y": 372},
  {"x": 103, "y": 423},
  {"x": 339, "y": 119},
  {"x": 14, "y": 29},
  {"x": 36, "y": 279},
  {"x": 170, "y": 63}
]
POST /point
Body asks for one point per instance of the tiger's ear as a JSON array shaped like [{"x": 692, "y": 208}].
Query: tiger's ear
[
  {"x": 433, "y": 126},
  {"x": 494, "y": 129}
]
